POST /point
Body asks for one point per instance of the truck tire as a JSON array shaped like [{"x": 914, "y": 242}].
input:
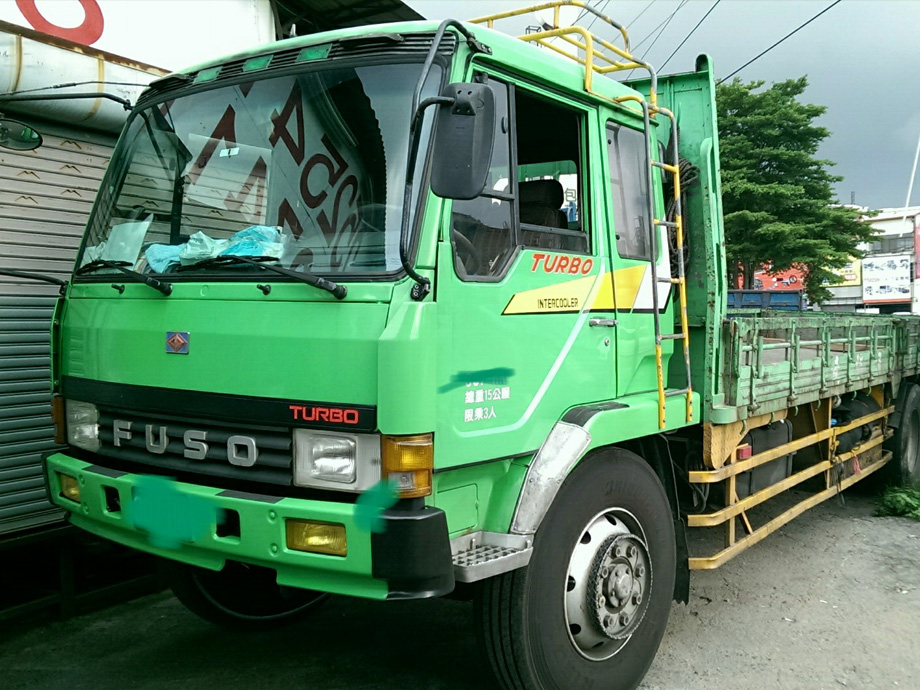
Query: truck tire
[
  {"x": 590, "y": 609},
  {"x": 239, "y": 597},
  {"x": 904, "y": 467}
]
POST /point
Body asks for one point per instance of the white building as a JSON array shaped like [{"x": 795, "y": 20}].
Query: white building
[{"x": 886, "y": 279}]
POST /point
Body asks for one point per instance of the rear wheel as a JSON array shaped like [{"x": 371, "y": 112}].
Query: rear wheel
[
  {"x": 241, "y": 596},
  {"x": 904, "y": 467},
  {"x": 591, "y": 608}
]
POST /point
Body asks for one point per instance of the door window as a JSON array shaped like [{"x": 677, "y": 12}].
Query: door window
[
  {"x": 534, "y": 190},
  {"x": 629, "y": 191}
]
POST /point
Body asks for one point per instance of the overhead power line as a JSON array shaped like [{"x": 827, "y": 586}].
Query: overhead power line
[
  {"x": 647, "y": 50},
  {"x": 661, "y": 69},
  {"x": 635, "y": 19},
  {"x": 599, "y": 9},
  {"x": 660, "y": 26},
  {"x": 836, "y": 2}
]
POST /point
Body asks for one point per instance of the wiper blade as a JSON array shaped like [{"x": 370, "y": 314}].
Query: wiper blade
[
  {"x": 92, "y": 266},
  {"x": 338, "y": 291},
  {"x": 226, "y": 260}
]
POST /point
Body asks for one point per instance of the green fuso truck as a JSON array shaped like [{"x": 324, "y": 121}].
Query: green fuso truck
[{"x": 417, "y": 309}]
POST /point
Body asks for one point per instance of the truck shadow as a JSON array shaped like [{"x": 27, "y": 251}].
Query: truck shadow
[{"x": 348, "y": 643}]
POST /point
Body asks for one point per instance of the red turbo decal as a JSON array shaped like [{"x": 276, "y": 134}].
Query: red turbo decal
[
  {"x": 555, "y": 263},
  {"x": 331, "y": 415}
]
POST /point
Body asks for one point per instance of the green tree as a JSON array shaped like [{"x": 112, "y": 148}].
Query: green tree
[{"x": 777, "y": 198}]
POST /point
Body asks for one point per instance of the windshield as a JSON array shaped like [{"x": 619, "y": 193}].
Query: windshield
[{"x": 306, "y": 170}]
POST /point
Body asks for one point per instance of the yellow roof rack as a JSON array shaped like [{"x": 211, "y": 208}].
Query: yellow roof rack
[{"x": 597, "y": 54}]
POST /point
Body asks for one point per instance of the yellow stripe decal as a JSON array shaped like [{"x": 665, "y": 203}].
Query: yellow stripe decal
[{"x": 618, "y": 290}]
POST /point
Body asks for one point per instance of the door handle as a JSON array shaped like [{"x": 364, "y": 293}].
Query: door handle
[{"x": 609, "y": 323}]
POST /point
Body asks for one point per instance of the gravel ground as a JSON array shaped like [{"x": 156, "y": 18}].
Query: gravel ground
[{"x": 831, "y": 601}]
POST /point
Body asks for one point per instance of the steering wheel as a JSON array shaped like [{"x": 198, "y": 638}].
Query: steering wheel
[{"x": 464, "y": 246}]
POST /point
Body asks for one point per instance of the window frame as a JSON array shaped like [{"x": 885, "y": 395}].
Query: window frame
[
  {"x": 582, "y": 112},
  {"x": 653, "y": 197}
]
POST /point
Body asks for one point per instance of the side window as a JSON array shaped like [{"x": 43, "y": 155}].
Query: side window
[
  {"x": 548, "y": 139},
  {"x": 629, "y": 191},
  {"x": 481, "y": 229},
  {"x": 534, "y": 190}
]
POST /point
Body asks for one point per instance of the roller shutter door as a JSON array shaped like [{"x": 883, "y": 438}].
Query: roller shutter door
[{"x": 45, "y": 199}]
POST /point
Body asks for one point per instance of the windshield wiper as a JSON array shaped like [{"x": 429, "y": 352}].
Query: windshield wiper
[
  {"x": 338, "y": 291},
  {"x": 92, "y": 266}
]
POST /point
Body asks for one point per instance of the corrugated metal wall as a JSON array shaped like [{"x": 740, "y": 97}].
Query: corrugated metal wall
[{"x": 45, "y": 199}]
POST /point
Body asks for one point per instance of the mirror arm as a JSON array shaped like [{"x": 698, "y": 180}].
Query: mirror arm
[
  {"x": 422, "y": 285},
  {"x": 420, "y": 111},
  {"x": 126, "y": 104},
  {"x": 62, "y": 284}
]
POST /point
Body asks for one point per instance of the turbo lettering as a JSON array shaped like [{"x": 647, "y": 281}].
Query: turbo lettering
[
  {"x": 332, "y": 415},
  {"x": 553, "y": 263}
]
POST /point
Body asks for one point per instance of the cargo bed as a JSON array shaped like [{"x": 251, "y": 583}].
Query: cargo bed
[{"x": 771, "y": 363}]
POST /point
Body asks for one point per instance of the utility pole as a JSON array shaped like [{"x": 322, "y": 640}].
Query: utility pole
[{"x": 910, "y": 185}]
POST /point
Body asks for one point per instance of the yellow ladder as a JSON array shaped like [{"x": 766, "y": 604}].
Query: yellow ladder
[{"x": 672, "y": 168}]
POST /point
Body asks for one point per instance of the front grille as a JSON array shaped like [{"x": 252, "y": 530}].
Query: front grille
[{"x": 272, "y": 465}]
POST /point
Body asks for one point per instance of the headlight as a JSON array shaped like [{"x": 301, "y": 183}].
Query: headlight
[
  {"x": 82, "y": 425},
  {"x": 347, "y": 462}
]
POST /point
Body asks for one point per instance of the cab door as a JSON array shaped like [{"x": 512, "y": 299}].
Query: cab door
[
  {"x": 629, "y": 221},
  {"x": 519, "y": 272}
]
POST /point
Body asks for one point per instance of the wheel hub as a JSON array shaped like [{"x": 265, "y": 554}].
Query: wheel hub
[
  {"x": 619, "y": 580},
  {"x": 608, "y": 585}
]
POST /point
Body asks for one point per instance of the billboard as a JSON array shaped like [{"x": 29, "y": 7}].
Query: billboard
[
  {"x": 166, "y": 34},
  {"x": 850, "y": 274},
  {"x": 789, "y": 279},
  {"x": 886, "y": 278},
  {"x": 917, "y": 246}
]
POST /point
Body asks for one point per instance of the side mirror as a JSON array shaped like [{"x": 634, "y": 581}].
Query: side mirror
[
  {"x": 463, "y": 141},
  {"x": 18, "y": 136}
]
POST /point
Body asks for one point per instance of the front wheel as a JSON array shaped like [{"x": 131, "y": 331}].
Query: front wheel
[
  {"x": 240, "y": 597},
  {"x": 591, "y": 608}
]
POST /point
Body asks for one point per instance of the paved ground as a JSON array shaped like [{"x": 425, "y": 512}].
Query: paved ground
[{"x": 831, "y": 601}]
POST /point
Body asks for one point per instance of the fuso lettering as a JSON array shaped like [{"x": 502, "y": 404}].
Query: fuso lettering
[
  {"x": 332, "y": 415},
  {"x": 553, "y": 263}
]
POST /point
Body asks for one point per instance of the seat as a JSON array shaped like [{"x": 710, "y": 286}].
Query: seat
[{"x": 540, "y": 202}]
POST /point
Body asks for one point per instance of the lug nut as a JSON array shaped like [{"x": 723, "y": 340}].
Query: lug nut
[
  {"x": 640, "y": 570},
  {"x": 632, "y": 551},
  {"x": 601, "y": 601},
  {"x": 637, "y": 599},
  {"x": 624, "y": 619},
  {"x": 608, "y": 621},
  {"x": 605, "y": 572}
]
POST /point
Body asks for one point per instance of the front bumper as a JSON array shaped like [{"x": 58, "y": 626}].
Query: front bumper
[{"x": 409, "y": 559}]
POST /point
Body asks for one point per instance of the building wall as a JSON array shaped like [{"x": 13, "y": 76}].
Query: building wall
[
  {"x": 897, "y": 235},
  {"x": 45, "y": 199}
]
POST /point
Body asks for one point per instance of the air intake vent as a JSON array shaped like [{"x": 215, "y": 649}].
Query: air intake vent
[{"x": 418, "y": 45}]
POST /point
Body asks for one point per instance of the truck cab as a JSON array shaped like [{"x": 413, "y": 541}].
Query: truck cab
[{"x": 351, "y": 307}]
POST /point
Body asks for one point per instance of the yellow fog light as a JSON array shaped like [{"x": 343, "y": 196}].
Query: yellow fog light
[
  {"x": 70, "y": 487},
  {"x": 407, "y": 464},
  {"x": 316, "y": 537}
]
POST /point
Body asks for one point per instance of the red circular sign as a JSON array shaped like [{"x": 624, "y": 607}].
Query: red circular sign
[{"x": 87, "y": 33}]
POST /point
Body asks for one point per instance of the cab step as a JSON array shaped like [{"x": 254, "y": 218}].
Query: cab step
[{"x": 479, "y": 555}]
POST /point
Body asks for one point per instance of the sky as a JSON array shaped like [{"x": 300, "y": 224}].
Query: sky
[{"x": 861, "y": 58}]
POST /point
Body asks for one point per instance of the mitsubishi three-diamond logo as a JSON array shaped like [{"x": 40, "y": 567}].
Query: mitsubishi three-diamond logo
[{"x": 177, "y": 342}]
